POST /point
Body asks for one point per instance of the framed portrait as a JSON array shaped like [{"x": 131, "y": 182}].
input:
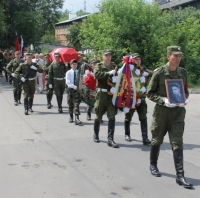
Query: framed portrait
[{"x": 175, "y": 91}]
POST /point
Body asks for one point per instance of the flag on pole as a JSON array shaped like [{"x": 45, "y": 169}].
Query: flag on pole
[
  {"x": 22, "y": 46},
  {"x": 17, "y": 46}
]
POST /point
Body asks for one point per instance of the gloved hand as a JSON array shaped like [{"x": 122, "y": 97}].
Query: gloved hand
[
  {"x": 112, "y": 72},
  {"x": 168, "y": 104},
  {"x": 183, "y": 104},
  {"x": 33, "y": 67},
  {"x": 23, "y": 79},
  {"x": 50, "y": 86},
  {"x": 13, "y": 74}
]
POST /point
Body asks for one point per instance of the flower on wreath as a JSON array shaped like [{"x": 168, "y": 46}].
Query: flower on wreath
[
  {"x": 89, "y": 80},
  {"x": 137, "y": 72},
  {"x": 114, "y": 79},
  {"x": 112, "y": 90},
  {"x": 142, "y": 79},
  {"x": 143, "y": 89}
]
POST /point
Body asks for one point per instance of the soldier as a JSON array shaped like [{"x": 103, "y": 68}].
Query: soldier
[
  {"x": 49, "y": 92},
  {"x": 73, "y": 98},
  {"x": 11, "y": 67},
  {"x": 80, "y": 60},
  {"x": 57, "y": 71},
  {"x": 168, "y": 117},
  {"x": 28, "y": 69},
  {"x": 1, "y": 61},
  {"x": 5, "y": 62},
  {"x": 141, "y": 108},
  {"x": 102, "y": 73}
]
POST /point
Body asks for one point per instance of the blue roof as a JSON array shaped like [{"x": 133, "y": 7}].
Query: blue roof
[{"x": 72, "y": 20}]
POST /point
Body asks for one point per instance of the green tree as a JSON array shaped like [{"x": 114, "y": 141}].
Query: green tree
[
  {"x": 81, "y": 13},
  {"x": 3, "y": 29},
  {"x": 73, "y": 36}
]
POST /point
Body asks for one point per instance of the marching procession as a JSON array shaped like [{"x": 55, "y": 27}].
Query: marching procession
[{"x": 107, "y": 87}]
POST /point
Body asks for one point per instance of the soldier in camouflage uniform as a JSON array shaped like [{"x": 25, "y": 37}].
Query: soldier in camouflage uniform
[
  {"x": 141, "y": 109},
  {"x": 49, "y": 92},
  {"x": 11, "y": 67},
  {"x": 57, "y": 71},
  {"x": 80, "y": 60},
  {"x": 28, "y": 86},
  {"x": 103, "y": 102},
  {"x": 168, "y": 117},
  {"x": 5, "y": 62},
  {"x": 73, "y": 98}
]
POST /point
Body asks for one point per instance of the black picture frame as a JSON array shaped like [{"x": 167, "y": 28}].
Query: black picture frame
[{"x": 175, "y": 91}]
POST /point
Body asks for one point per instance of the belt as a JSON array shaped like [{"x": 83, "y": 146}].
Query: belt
[
  {"x": 31, "y": 78},
  {"x": 59, "y": 78},
  {"x": 102, "y": 90}
]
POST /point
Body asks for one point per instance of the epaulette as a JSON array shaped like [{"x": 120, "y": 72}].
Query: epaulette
[{"x": 183, "y": 69}]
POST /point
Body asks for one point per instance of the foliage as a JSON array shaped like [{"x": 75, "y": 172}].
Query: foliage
[{"x": 81, "y": 13}]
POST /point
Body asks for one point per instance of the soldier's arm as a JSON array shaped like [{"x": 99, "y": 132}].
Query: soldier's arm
[
  {"x": 152, "y": 90},
  {"x": 186, "y": 84},
  {"x": 50, "y": 73},
  {"x": 9, "y": 67},
  {"x": 100, "y": 74},
  {"x": 45, "y": 69},
  {"x": 18, "y": 71}
]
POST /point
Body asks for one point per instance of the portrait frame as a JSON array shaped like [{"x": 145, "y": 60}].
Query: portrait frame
[{"x": 175, "y": 91}]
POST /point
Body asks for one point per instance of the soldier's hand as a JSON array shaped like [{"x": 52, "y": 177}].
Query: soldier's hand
[
  {"x": 13, "y": 74},
  {"x": 23, "y": 79},
  {"x": 33, "y": 67},
  {"x": 168, "y": 104},
  {"x": 183, "y": 104},
  {"x": 50, "y": 86},
  {"x": 112, "y": 72}
]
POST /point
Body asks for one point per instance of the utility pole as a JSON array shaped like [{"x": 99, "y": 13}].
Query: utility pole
[{"x": 84, "y": 6}]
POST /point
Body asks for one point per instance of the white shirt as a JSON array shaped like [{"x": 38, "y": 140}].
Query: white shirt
[
  {"x": 39, "y": 61},
  {"x": 70, "y": 78}
]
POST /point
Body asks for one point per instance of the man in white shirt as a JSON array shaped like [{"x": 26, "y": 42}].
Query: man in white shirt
[
  {"x": 40, "y": 62},
  {"x": 73, "y": 98}
]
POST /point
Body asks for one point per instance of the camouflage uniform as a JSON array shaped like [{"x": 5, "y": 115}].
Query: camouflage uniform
[
  {"x": 168, "y": 117},
  {"x": 1, "y": 61},
  {"x": 28, "y": 86},
  {"x": 104, "y": 101},
  {"x": 57, "y": 73},
  {"x": 49, "y": 92},
  {"x": 4, "y": 65},
  {"x": 11, "y": 67}
]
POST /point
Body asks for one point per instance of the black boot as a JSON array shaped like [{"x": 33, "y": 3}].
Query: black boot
[
  {"x": 15, "y": 98},
  {"x": 144, "y": 130},
  {"x": 51, "y": 96},
  {"x": 178, "y": 162},
  {"x": 111, "y": 130},
  {"x": 48, "y": 101},
  {"x": 30, "y": 104},
  {"x": 71, "y": 118},
  {"x": 77, "y": 121},
  {"x": 127, "y": 130},
  {"x": 96, "y": 131},
  {"x": 59, "y": 104},
  {"x": 19, "y": 96},
  {"x": 88, "y": 115},
  {"x": 26, "y": 106},
  {"x": 153, "y": 161}
]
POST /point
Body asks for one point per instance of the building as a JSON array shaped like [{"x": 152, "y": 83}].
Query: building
[
  {"x": 167, "y": 4},
  {"x": 61, "y": 28}
]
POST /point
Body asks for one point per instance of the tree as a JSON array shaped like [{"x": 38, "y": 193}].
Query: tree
[
  {"x": 81, "y": 13},
  {"x": 74, "y": 36},
  {"x": 2, "y": 25}
]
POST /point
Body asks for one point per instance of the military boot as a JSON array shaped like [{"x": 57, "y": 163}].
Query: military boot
[
  {"x": 15, "y": 98},
  {"x": 153, "y": 160},
  {"x": 88, "y": 115},
  {"x": 77, "y": 121},
  {"x": 178, "y": 162},
  {"x": 26, "y": 106},
  {"x": 144, "y": 130},
  {"x": 19, "y": 96},
  {"x": 127, "y": 130},
  {"x": 51, "y": 96},
  {"x": 59, "y": 104},
  {"x": 71, "y": 118},
  {"x": 111, "y": 130},
  {"x": 30, "y": 104},
  {"x": 96, "y": 131},
  {"x": 48, "y": 101}
]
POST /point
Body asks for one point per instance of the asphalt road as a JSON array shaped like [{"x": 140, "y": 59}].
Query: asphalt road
[{"x": 42, "y": 155}]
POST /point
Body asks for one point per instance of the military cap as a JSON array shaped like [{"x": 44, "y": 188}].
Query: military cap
[
  {"x": 135, "y": 55},
  {"x": 56, "y": 54},
  {"x": 73, "y": 61},
  {"x": 106, "y": 52},
  {"x": 28, "y": 54},
  {"x": 174, "y": 50},
  {"x": 81, "y": 54},
  {"x": 17, "y": 52},
  {"x": 94, "y": 61}
]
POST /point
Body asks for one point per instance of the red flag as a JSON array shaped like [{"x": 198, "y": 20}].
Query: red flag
[{"x": 17, "y": 46}]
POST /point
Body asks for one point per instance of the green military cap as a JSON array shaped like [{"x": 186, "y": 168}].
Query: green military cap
[
  {"x": 46, "y": 55},
  {"x": 106, "y": 52},
  {"x": 17, "y": 52},
  {"x": 56, "y": 54},
  {"x": 94, "y": 61},
  {"x": 174, "y": 50},
  {"x": 28, "y": 54},
  {"x": 73, "y": 61},
  {"x": 135, "y": 55}
]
